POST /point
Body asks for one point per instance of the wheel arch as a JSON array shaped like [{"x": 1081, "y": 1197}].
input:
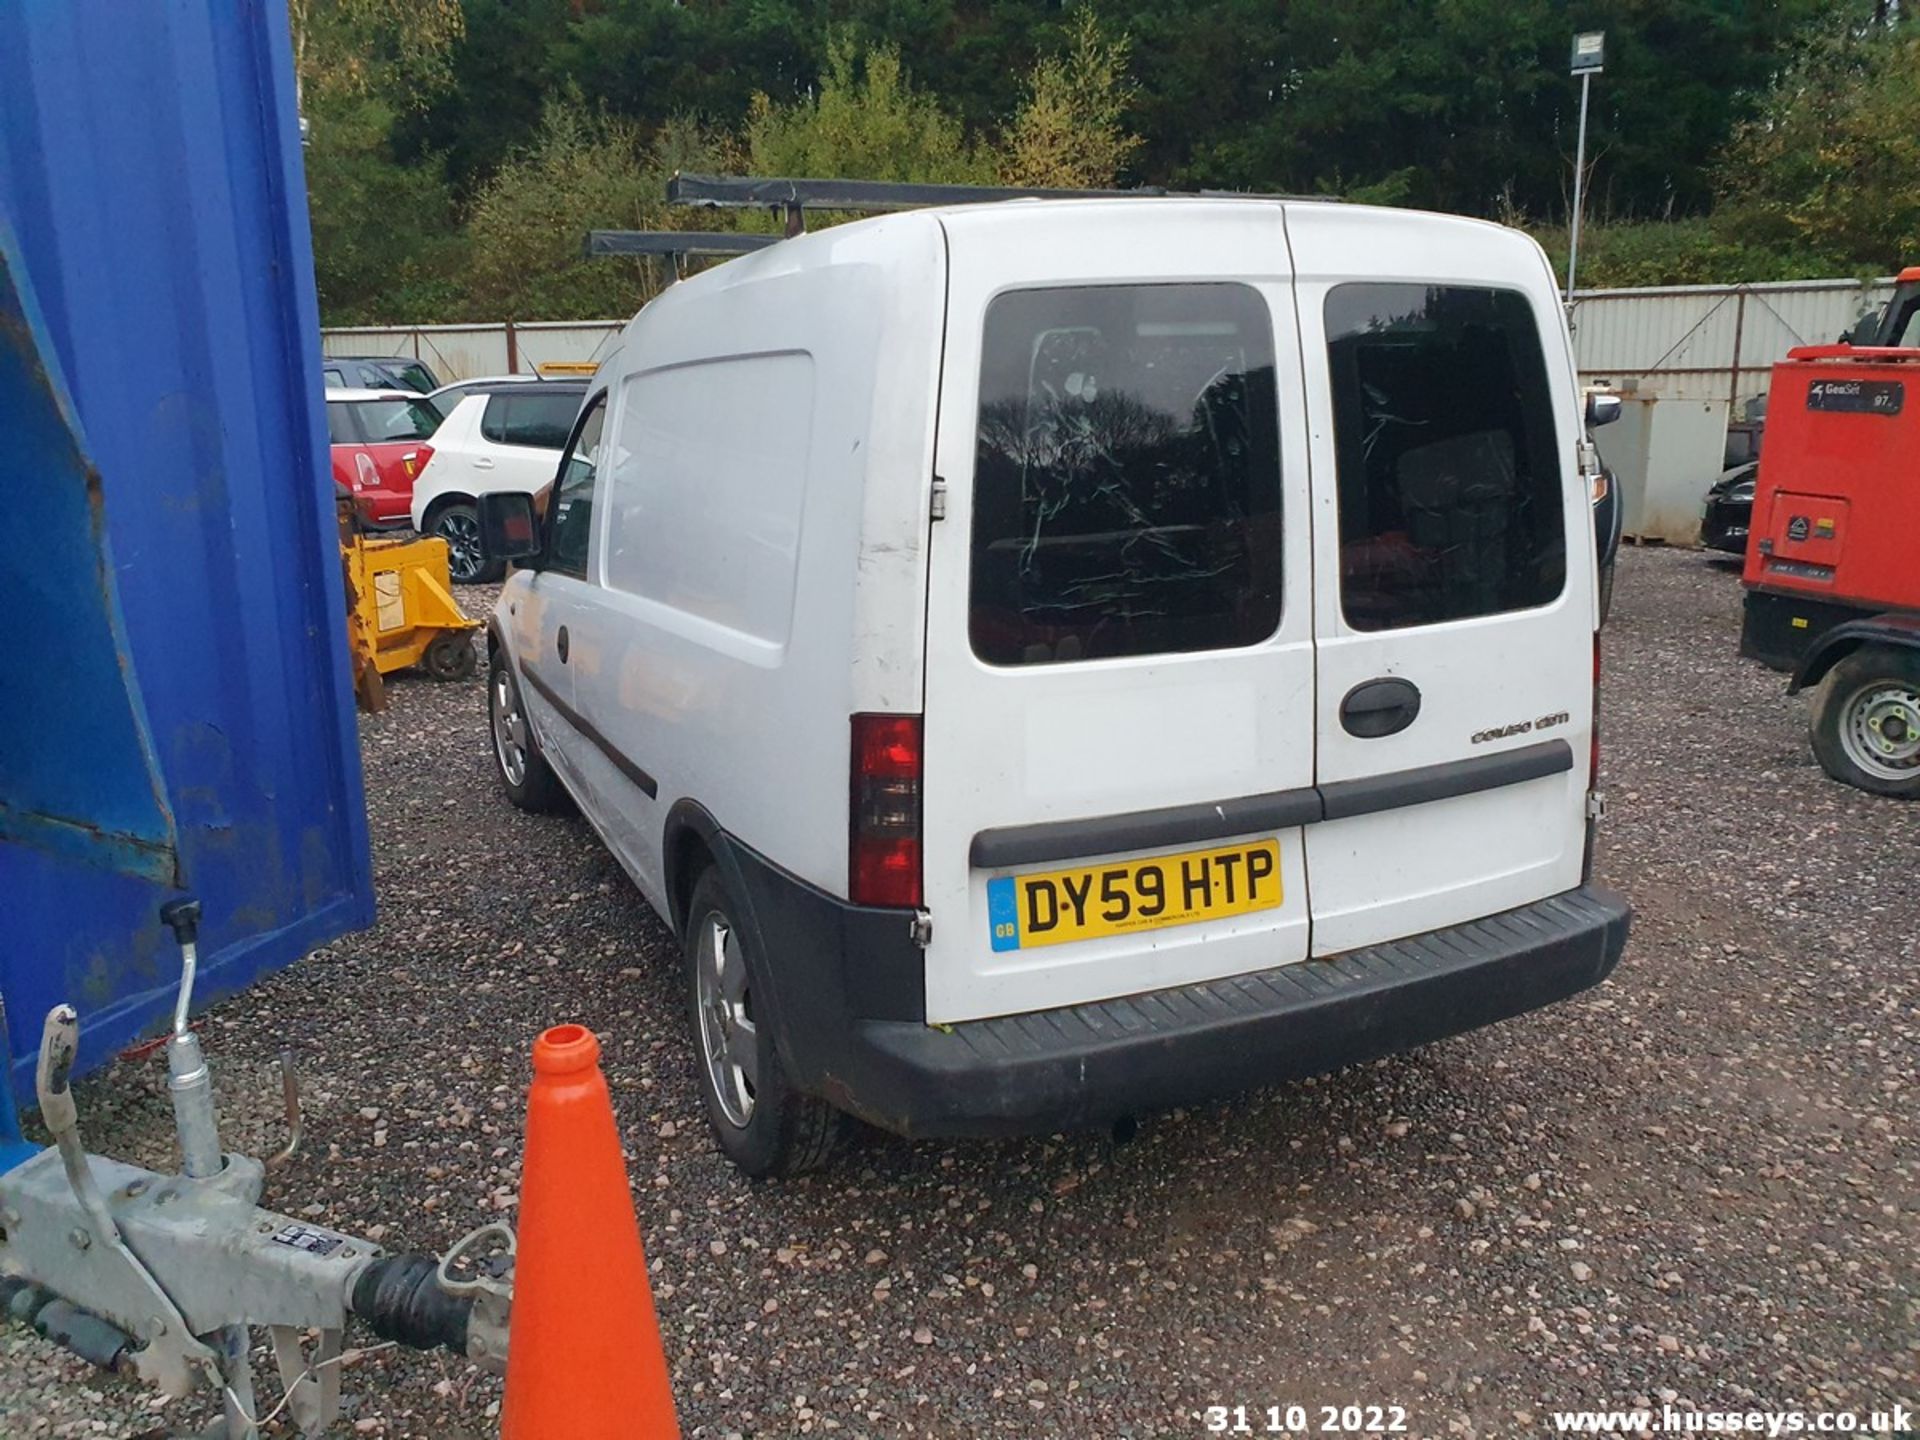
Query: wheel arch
[
  {"x": 1896, "y": 629},
  {"x": 440, "y": 502},
  {"x": 691, "y": 840}
]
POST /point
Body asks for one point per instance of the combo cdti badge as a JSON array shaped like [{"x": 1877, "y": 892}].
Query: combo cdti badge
[{"x": 1053, "y": 659}]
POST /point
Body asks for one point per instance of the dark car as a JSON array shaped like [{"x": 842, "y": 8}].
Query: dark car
[
  {"x": 378, "y": 372},
  {"x": 1729, "y": 512}
]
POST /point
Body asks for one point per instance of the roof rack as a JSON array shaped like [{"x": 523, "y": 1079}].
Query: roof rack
[
  {"x": 676, "y": 247},
  {"x": 675, "y": 243},
  {"x": 793, "y": 197}
]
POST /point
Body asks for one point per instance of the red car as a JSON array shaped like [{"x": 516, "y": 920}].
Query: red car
[{"x": 379, "y": 447}]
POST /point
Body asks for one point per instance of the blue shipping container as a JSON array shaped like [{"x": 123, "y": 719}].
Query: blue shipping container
[{"x": 175, "y": 703}]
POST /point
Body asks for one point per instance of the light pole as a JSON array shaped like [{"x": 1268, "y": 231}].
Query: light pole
[{"x": 1589, "y": 57}]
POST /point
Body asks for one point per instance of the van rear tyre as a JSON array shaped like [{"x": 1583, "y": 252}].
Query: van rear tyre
[
  {"x": 1866, "y": 721},
  {"x": 524, "y": 773},
  {"x": 763, "y": 1124}
]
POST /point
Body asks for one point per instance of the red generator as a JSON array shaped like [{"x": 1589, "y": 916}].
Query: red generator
[{"x": 1833, "y": 565}]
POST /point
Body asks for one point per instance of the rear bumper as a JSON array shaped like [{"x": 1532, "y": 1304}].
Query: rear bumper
[{"x": 1087, "y": 1065}]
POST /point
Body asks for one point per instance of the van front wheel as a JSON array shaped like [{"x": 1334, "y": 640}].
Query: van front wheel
[
  {"x": 764, "y": 1125},
  {"x": 524, "y": 773}
]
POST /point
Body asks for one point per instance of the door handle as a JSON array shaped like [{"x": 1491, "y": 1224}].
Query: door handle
[
  {"x": 481, "y": 462},
  {"x": 560, "y": 644},
  {"x": 1380, "y": 707}
]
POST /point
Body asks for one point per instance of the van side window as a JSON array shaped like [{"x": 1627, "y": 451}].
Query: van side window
[
  {"x": 573, "y": 495},
  {"x": 1126, "y": 489},
  {"x": 1449, "y": 469}
]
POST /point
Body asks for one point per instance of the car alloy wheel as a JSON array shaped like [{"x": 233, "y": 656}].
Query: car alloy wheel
[
  {"x": 729, "y": 1040},
  {"x": 461, "y": 530},
  {"x": 509, "y": 728}
]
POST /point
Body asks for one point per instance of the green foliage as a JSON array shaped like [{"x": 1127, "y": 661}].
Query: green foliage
[
  {"x": 866, "y": 122},
  {"x": 1070, "y": 130},
  {"x": 1831, "y": 166},
  {"x": 397, "y": 49},
  {"x": 1671, "y": 252},
  {"x": 585, "y": 170},
  {"x": 386, "y": 242},
  {"x": 447, "y": 181}
]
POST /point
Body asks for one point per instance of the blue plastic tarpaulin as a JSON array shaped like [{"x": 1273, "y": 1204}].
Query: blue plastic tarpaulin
[{"x": 175, "y": 702}]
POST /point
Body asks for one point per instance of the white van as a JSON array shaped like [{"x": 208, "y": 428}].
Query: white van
[{"x": 1054, "y": 659}]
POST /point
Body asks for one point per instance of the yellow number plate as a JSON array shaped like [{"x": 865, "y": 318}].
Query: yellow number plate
[{"x": 1058, "y": 906}]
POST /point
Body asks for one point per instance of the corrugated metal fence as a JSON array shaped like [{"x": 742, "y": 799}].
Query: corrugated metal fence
[
  {"x": 1710, "y": 342},
  {"x": 1694, "y": 342},
  {"x": 462, "y": 352}
]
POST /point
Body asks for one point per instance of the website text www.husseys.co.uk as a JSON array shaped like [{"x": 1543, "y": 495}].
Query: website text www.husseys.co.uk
[{"x": 1895, "y": 1420}]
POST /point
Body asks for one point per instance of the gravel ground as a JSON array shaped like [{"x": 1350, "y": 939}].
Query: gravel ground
[{"x": 1697, "y": 1183}]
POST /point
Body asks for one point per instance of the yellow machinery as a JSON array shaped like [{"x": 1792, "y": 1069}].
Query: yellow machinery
[{"x": 401, "y": 612}]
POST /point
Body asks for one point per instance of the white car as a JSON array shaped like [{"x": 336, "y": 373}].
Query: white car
[
  {"x": 1055, "y": 659},
  {"x": 452, "y": 393},
  {"x": 507, "y": 437}
]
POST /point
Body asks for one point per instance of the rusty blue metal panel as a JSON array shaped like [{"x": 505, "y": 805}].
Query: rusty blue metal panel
[
  {"x": 113, "y": 809},
  {"x": 150, "y": 176}
]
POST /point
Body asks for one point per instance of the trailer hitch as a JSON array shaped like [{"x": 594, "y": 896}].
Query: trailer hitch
[{"x": 160, "y": 1275}]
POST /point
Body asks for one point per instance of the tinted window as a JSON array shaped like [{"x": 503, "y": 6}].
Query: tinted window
[
  {"x": 340, "y": 424},
  {"x": 541, "y": 421},
  {"x": 387, "y": 420},
  {"x": 573, "y": 495},
  {"x": 335, "y": 379},
  {"x": 1126, "y": 492},
  {"x": 414, "y": 376},
  {"x": 1909, "y": 336},
  {"x": 1449, "y": 472}
]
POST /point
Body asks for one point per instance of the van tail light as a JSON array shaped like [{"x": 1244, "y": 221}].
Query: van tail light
[
  {"x": 883, "y": 849},
  {"x": 415, "y": 461}
]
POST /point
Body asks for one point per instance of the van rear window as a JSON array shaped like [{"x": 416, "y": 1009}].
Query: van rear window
[
  {"x": 1126, "y": 489},
  {"x": 1450, "y": 478}
]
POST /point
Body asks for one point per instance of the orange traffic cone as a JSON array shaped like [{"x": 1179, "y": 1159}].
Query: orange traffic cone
[{"x": 584, "y": 1360}]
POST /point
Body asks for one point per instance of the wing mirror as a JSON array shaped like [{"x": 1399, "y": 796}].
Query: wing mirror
[
  {"x": 509, "y": 526},
  {"x": 1602, "y": 409}
]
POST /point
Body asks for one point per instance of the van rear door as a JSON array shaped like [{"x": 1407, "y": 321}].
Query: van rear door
[
  {"x": 1119, "y": 657},
  {"x": 1453, "y": 563}
]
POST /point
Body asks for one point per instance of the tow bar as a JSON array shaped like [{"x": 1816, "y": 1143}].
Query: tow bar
[{"x": 160, "y": 1275}]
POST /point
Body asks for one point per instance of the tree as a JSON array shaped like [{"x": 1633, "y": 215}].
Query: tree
[
  {"x": 499, "y": 75},
  {"x": 866, "y": 121},
  {"x": 1070, "y": 130},
  {"x": 1830, "y": 164},
  {"x": 387, "y": 246},
  {"x": 399, "y": 49},
  {"x": 584, "y": 170}
]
